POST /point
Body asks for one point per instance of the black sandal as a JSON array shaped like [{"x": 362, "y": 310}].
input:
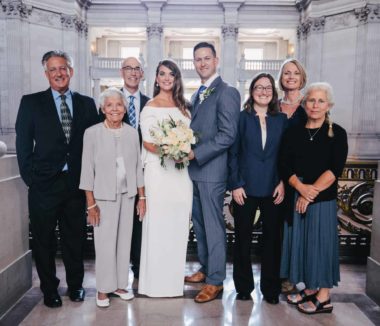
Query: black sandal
[
  {"x": 320, "y": 307},
  {"x": 304, "y": 297}
]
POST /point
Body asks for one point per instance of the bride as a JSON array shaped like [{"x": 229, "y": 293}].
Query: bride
[{"x": 168, "y": 191}]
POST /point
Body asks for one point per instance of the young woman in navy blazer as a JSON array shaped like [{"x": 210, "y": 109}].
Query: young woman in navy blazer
[{"x": 254, "y": 181}]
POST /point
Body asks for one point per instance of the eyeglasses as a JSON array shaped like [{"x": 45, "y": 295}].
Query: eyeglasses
[
  {"x": 55, "y": 70},
  {"x": 129, "y": 69},
  {"x": 260, "y": 88},
  {"x": 312, "y": 101}
]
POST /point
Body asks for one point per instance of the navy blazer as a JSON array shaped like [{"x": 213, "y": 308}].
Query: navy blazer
[
  {"x": 250, "y": 166},
  {"x": 41, "y": 145}
]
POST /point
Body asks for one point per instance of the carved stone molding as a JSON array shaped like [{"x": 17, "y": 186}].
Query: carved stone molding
[
  {"x": 16, "y": 8},
  {"x": 369, "y": 13},
  {"x": 84, "y": 3},
  {"x": 310, "y": 24},
  {"x": 154, "y": 30},
  {"x": 341, "y": 21},
  {"x": 302, "y": 4},
  {"x": 75, "y": 23},
  {"x": 230, "y": 31}
]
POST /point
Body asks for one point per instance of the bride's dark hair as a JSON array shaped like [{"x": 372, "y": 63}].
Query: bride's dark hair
[{"x": 178, "y": 89}]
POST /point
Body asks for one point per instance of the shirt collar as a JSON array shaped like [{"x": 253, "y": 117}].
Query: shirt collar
[
  {"x": 57, "y": 95},
  {"x": 128, "y": 94},
  {"x": 209, "y": 81}
]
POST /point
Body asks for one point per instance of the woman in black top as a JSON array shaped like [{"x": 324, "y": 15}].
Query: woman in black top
[{"x": 311, "y": 160}]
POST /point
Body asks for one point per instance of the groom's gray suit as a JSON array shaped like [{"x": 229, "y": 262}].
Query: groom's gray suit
[{"x": 215, "y": 119}]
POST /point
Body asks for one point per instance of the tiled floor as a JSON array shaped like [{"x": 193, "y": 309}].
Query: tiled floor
[{"x": 351, "y": 306}]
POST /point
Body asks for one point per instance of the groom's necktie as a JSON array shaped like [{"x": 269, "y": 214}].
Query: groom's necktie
[
  {"x": 132, "y": 111},
  {"x": 201, "y": 89},
  {"x": 66, "y": 118}
]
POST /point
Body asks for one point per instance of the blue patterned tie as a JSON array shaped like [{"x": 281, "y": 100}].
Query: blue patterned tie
[
  {"x": 66, "y": 118},
  {"x": 132, "y": 112}
]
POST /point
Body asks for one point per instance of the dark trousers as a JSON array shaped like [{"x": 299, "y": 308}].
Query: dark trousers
[
  {"x": 270, "y": 259},
  {"x": 136, "y": 242},
  {"x": 47, "y": 207}
]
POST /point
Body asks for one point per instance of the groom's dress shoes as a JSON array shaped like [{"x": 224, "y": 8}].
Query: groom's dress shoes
[
  {"x": 52, "y": 300},
  {"x": 77, "y": 295},
  {"x": 197, "y": 277},
  {"x": 208, "y": 293}
]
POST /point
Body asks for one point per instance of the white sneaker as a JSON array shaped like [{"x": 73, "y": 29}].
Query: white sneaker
[
  {"x": 102, "y": 303},
  {"x": 125, "y": 296}
]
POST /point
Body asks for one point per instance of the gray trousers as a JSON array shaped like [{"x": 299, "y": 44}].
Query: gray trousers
[
  {"x": 113, "y": 243},
  {"x": 210, "y": 229}
]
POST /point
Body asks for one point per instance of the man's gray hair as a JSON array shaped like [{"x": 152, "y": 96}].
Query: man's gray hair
[
  {"x": 57, "y": 53},
  {"x": 112, "y": 92}
]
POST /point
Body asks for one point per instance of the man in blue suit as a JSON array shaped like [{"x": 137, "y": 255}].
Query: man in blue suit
[{"x": 215, "y": 116}]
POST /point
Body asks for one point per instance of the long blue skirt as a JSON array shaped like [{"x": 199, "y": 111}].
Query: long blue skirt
[{"x": 310, "y": 251}]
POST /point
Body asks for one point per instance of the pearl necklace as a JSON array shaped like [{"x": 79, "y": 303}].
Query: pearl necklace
[
  {"x": 296, "y": 101},
  {"x": 313, "y": 135}
]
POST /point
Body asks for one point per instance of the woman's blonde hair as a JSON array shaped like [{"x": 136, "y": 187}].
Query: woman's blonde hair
[{"x": 324, "y": 87}]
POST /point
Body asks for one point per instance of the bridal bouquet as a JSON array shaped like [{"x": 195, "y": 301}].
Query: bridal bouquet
[{"x": 174, "y": 139}]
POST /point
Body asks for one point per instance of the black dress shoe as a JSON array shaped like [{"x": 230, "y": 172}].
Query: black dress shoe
[
  {"x": 77, "y": 295},
  {"x": 243, "y": 296},
  {"x": 271, "y": 300},
  {"x": 52, "y": 300}
]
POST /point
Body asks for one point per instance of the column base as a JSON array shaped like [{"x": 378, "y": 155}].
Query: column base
[
  {"x": 373, "y": 280},
  {"x": 15, "y": 281}
]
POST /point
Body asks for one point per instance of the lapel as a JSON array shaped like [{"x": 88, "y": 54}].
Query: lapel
[
  {"x": 215, "y": 84},
  {"x": 50, "y": 111},
  {"x": 143, "y": 100},
  {"x": 77, "y": 104}
]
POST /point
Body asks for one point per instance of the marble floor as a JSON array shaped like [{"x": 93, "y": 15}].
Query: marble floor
[{"x": 351, "y": 306}]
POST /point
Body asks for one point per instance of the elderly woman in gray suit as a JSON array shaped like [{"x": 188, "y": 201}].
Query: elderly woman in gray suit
[{"x": 111, "y": 177}]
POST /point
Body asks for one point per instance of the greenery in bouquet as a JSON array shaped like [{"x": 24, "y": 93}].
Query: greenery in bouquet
[{"x": 173, "y": 139}]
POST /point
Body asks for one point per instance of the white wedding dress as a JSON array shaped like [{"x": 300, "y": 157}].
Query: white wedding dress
[{"x": 165, "y": 230}]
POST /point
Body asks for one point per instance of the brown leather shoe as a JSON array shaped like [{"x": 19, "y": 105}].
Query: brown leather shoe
[
  {"x": 208, "y": 293},
  {"x": 197, "y": 277}
]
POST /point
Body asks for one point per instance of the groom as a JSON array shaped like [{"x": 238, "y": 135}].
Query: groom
[{"x": 215, "y": 116}]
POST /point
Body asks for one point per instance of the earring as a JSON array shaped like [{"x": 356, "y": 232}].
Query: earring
[{"x": 157, "y": 85}]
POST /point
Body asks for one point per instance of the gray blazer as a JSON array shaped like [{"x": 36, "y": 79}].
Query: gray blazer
[
  {"x": 216, "y": 121},
  {"x": 99, "y": 161}
]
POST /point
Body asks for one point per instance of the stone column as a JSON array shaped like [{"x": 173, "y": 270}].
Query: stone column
[
  {"x": 154, "y": 54},
  {"x": 366, "y": 114},
  {"x": 242, "y": 77},
  {"x": 373, "y": 261},
  {"x": 96, "y": 91},
  {"x": 313, "y": 43},
  {"x": 229, "y": 53}
]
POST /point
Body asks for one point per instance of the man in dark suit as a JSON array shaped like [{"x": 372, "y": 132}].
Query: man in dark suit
[
  {"x": 49, "y": 139},
  {"x": 132, "y": 73},
  {"x": 215, "y": 117}
]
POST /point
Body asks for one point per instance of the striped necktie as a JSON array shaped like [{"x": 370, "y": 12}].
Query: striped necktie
[
  {"x": 132, "y": 111},
  {"x": 66, "y": 118}
]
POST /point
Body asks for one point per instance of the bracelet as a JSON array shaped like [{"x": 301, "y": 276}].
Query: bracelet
[
  {"x": 142, "y": 197},
  {"x": 92, "y": 206}
]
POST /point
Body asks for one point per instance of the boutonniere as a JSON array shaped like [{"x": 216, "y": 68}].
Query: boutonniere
[{"x": 206, "y": 94}]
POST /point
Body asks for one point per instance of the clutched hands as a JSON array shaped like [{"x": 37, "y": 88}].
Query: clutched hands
[
  {"x": 302, "y": 204},
  {"x": 309, "y": 192}
]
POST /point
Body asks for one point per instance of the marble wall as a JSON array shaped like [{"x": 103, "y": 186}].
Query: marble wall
[
  {"x": 28, "y": 29},
  {"x": 15, "y": 256}
]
